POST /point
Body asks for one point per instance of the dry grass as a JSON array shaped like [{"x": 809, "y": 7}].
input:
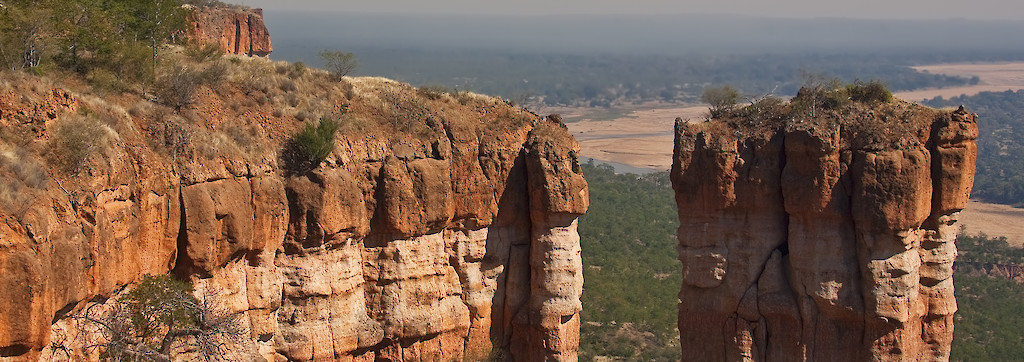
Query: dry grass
[
  {"x": 76, "y": 139},
  {"x": 244, "y": 109},
  {"x": 21, "y": 174}
]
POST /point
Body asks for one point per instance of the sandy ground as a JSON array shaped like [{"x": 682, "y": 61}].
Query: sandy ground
[
  {"x": 639, "y": 137},
  {"x": 994, "y": 220},
  {"x": 995, "y": 77}
]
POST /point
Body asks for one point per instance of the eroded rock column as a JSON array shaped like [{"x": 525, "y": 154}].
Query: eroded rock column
[{"x": 548, "y": 329}]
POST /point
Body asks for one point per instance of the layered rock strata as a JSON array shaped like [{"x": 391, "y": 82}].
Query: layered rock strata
[
  {"x": 454, "y": 239},
  {"x": 236, "y": 30},
  {"x": 825, "y": 238}
]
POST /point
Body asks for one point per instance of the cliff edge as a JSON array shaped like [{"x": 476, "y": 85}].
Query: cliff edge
[
  {"x": 441, "y": 227},
  {"x": 811, "y": 232}
]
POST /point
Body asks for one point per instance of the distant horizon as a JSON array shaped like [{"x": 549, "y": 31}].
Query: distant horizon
[
  {"x": 983, "y": 10},
  {"x": 635, "y": 34},
  {"x": 628, "y": 15}
]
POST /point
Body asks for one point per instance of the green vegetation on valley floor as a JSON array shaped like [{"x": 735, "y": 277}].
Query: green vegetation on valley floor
[
  {"x": 632, "y": 278},
  {"x": 603, "y": 79},
  {"x": 1000, "y": 175},
  {"x": 987, "y": 325},
  {"x": 632, "y": 272}
]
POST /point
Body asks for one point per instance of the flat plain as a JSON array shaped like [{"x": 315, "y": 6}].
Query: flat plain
[
  {"x": 642, "y": 135},
  {"x": 993, "y": 77}
]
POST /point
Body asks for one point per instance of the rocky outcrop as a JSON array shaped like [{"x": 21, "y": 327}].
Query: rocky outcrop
[
  {"x": 452, "y": 239},
  {"x": 826, "y": 238},
  {"x": 236, "y": 30}
]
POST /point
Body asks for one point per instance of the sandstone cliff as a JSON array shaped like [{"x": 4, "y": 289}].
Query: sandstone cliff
[
  {"x": 827, "y": 237},
  {"x": 442, "y": 227},
  {"x": 235, "y": 30}
]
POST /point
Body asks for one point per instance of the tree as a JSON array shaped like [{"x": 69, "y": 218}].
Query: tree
[
  {"x": 177, "y": 88},
  {"x": 820, "y": 92},
  {"x": 24, "y": 30},
  {"x": 721, "y": 99},
  {"x": 154, "y": 21},
  {"x": 159, "y": 320},
  {"x": 339, "y": 63}
]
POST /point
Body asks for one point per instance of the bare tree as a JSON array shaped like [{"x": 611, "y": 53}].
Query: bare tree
[
  {"x": 160, "y": 320},
  {"x": 177, "y": 88}
]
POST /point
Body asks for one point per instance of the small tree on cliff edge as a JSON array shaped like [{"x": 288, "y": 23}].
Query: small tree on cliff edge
[
  {"x": 339, "y": 63},
  {"x": 721, "y": 99},
  {"x": 158, "y": 320}
]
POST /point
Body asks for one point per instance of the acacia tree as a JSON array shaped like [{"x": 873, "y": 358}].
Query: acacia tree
[
  {"x": 339, "y": 63},
  {"x": 159, "y": 320},
  {"x": 721, "y": 99}
]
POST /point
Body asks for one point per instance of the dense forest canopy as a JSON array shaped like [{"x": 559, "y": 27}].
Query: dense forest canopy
[{"x": 632, "y": 272}]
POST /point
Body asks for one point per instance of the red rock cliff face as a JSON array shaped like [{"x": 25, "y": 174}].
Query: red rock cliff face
[
  {"x": 456, "y": 241},
  {"x": 237, "y": 31},
  {"x": 828, "y": 239}
]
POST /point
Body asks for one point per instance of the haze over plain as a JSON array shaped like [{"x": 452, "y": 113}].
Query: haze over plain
[{"x": 868, "y": 9}]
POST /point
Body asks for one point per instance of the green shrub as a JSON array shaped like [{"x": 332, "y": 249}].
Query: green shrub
[
  {"x": 721, "y": 100},
  {"x": 161, "y": 300},
  {"x": 103, "y": 80},
  {"x": 870, "y": 92},
  {"x": 214, "y": 74},
  {"x": 160, "y": 320},
  {"x": 297, "y": 71},
  {"x": 316, "y": 142}
]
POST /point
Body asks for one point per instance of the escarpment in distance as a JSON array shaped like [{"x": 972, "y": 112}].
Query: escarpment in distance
[
  {"x": 821, "y": 234},
  {"x": 442, "y": 226},
  {"x": 235, "y": 30}
]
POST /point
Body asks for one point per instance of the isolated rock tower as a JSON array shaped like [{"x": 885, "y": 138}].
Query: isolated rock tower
[{"x": 826, "y": 238}]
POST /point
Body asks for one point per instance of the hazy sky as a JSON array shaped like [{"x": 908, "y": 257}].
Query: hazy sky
[{"x": 874, "y": 9}]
